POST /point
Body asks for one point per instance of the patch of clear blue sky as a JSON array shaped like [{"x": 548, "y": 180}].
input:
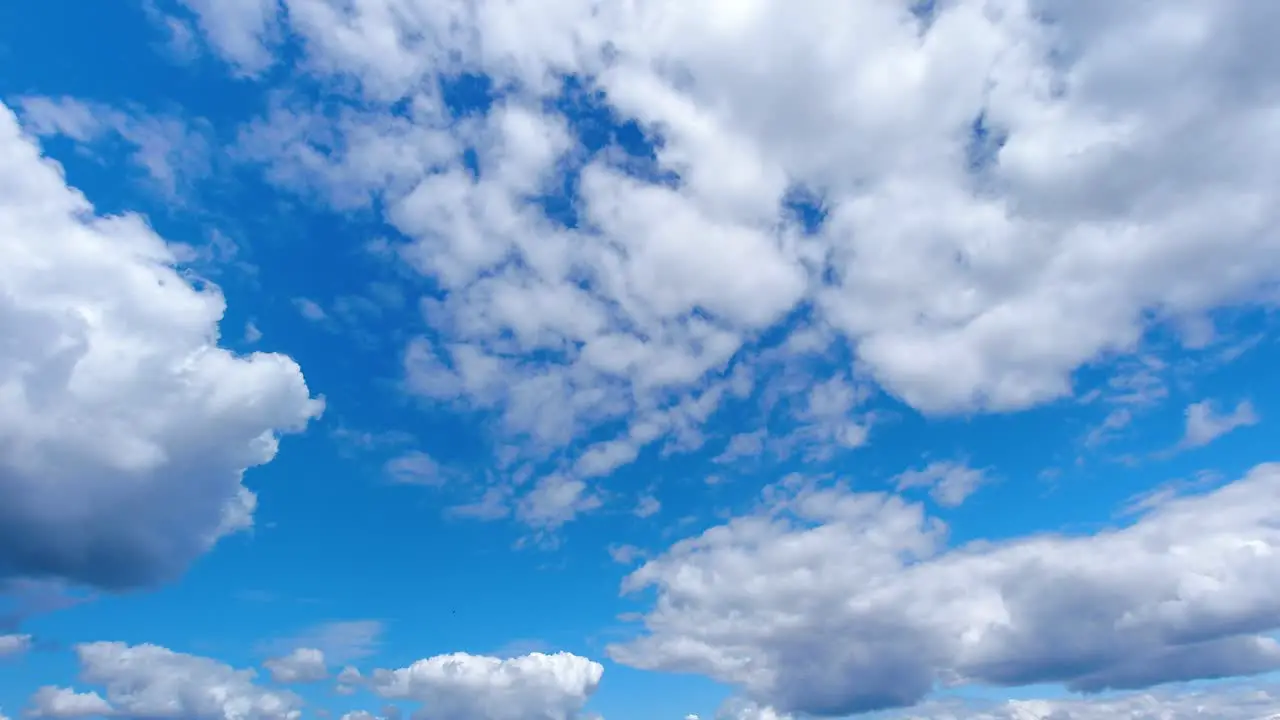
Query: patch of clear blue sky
[{"x": 336, "y": 541}]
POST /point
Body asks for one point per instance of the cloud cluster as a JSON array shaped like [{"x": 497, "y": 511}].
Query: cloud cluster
[
  {"x": 124, "y": 427},
  {"x": 1008, "y": 190},
  {"x": 155, "y": 682},
  {"x": 832, "y": 602}
]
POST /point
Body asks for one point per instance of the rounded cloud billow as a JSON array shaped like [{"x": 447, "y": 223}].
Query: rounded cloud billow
[{"x": 124, "y": 428}]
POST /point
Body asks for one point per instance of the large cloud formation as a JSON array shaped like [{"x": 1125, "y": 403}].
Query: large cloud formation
[
  {"x": 832, "y": 602},
  {"x": 1011, "y": 188},
  {"x": 124, "y": 428}
]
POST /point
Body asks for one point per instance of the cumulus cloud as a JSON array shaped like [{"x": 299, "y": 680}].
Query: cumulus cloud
[
  {"x": 1205, "y": 424},
  {"x": 529, "y": 687},
  {"x": 124, "y": 427},
  {"x": 303, "y": 665},
  {"x": 13, "y": 645},
  {"x": 1030, "y": 193},
  {"x": 56, "y": 702},
  {"x": 834, "y": 602},
  {"x": 155, "y": 682}
]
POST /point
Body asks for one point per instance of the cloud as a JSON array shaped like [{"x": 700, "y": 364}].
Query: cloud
[
  {"x": 303, "y": 665},
  {"x": 415, "y": 468},
  {"x": 172, "y": 152},
  {"x": 1221, "y": 702},
  {"x": 55, "y": 702},
  {"x": 948, "y": 483},
  {"x": 14, "y": 645},
  {"x": 1034, "y": 194},
  {"x": 833, "y": 602},
  {"x": 337, "y": 642},
  {"x": 1205, "y": 424},
  {"x": 530, "y": 687},
  {"x": 155, "y": 682},
  {"x": 124, "y": 428}
]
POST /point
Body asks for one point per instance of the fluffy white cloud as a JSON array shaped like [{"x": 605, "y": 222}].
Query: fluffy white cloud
[
  {"x": 14, "y": 644},
  {"x": 529, "y": 687},
  {"x": 1205, "y": 424},
  {"x": 55, "y": 702},
  {"x": 833, "y": 602},
  {"x": 300, "y": 666},
  {"x": 155, "y": 682},
  {"x": 1012, "y": 189},
  {"x": 124, "y": 428}
]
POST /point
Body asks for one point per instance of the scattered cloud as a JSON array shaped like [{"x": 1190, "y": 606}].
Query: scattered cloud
[
  {"x": 336, "y": 642},
  {"x": 14, "y": 645},
  {"x": 1205, "y": 424},
  {"x": 172, "y": 152},
  {"x": 949, "y": 483},
  {"x": 304, "y": 665}
]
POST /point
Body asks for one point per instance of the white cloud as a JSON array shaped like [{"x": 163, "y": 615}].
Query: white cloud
[
  {"x": 831, "y": 602},
  {"x": 968, "y": 270},
  {"x": 55, "y": 702},
  {"x": 13, "y": 645},
  {"x": 303, "y": 665},
  {"x": 1205, "y": 424},
  {"x": 530, "y": 687},
  {"x": 949, "y": 483},
  {"x": 241, "y": 31},
  {"x": 155, "y": 682},
  {"x": 647, "y": 507},
  {"x": 555, "y": 500},
  {"x": 170, "y": 151},
  {"x": 124, "y": 428},
  {"x": 415, "y": 468}
]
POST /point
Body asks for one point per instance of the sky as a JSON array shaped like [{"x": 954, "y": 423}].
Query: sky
[{"x": 701, "y": 359}]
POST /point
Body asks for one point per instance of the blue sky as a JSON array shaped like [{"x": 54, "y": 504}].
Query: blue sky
[{"x": 636, "y": 361}]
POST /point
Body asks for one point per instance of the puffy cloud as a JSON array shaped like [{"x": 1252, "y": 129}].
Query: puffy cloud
[
  {"x": 55, "y": 702},
  {"x": 155, "y": 682},
  {"x": 1205, "y": 424},
  {"x": 529, "y": 687},
  {"x": 124, "y": 428},
  {"x": 303, "y": 665},
  {"x": 1009, "y": 189},
  {"x": 834, "y": 602},
  {"x": 14, "y": 644}
]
